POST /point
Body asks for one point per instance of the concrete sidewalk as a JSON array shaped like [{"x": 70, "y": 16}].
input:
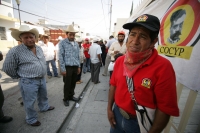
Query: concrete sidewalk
[
  {"x": 51, "y": 120},
  {"x": 91, "y": 116}
]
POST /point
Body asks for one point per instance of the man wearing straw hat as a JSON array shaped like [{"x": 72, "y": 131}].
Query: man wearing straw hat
[
  {"x": 69, "y": 64},
  {"x": 50, "y": 55},
  {"x": 27, "y": 62}
]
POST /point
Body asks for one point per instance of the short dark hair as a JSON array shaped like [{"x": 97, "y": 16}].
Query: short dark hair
[
  {"x": 111, "y": 36},
  {"x": 152, "y": 34},
  {"x": 177, "y": 14},
  {"x": 118, "y": 55}
]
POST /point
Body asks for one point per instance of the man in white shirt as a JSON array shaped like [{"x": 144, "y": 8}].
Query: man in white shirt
[
  {"x": 108, "y": 57},
  {"x": 118, "y": 47},
  {"x": 57, "y": 52},
  {"x": 95, "y": 56},
  {"x": 50, "y": 55}
]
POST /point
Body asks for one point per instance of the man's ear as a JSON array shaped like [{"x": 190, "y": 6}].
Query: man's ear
[{"x": 152, "y": 45}]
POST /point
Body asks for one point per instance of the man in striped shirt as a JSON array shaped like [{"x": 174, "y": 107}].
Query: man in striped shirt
[
  {"x": 27, "y": 62},
  {"x": 69, "y": 64}
]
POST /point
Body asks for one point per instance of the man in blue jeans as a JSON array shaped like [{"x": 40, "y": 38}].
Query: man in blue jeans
[
  {"x": 142, "y": 77},
  {"x": 86, "y": 64},
  {"x": 50, "y": 55},
  {"x": 27, "y": 62}
]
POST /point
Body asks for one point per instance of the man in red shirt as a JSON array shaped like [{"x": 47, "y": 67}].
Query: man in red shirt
[
  {"x": 153, "y": 78},
  {"x": 86, "y": 64}
]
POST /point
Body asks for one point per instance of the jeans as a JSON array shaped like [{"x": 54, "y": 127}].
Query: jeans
[
  {"x": 124, "y": 125},
  {"x": 53, "y": 64},
  {"x": 32, "y": 90},
  {"x": 86, "y": 65}
]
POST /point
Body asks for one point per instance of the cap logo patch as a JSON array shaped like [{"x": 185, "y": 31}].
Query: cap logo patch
[
  {"x": 142, "y": 18},
  {"x": 146, "y": 83}
]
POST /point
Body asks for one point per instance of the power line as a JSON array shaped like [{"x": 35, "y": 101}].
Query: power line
[
  {"x": 35, "y": 14},
  {"x": 96, "y": 24},
  {"x": 58, "y": 10},
  {"x": 103, "y": 13},
  {"x": 60, "y": 7}
]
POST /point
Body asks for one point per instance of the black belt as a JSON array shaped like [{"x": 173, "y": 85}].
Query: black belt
[
  {"x": 37, "y": 77},
  {"x": 126, "y": 114}
]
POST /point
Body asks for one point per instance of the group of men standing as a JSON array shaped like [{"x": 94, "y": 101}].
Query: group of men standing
[
  {"x": 151, "y": 76},
  {"x": 28, "y": 62}
]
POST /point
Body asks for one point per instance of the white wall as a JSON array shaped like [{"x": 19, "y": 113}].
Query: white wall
[
  {"x": 120, "y": 22},
  {"x": 6, "y": 11},
  {"x": 7, "y": 25},
  {"x": 10, "y": 42}
]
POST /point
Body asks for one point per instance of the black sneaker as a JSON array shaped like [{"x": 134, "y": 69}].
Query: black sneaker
[{"x": 66, "y": 103}]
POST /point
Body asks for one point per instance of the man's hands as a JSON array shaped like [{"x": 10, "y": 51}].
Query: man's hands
[
  {"x": 111, "y": 118},
  {"x": 86, "y": 49},
  {"x": 64, "y": 73},
  {"x": 116, "y": 52},
  {"x": 79, "y": 70}
]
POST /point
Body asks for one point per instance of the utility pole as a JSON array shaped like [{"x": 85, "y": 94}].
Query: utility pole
[
  {"x": 18, "y": 3},
  {"x": 110, "y": 17}
]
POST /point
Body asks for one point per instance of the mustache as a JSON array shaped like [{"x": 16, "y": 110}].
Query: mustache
[
  {"x": 176, "y": 34},
  {"x": 120, "y": 40}
]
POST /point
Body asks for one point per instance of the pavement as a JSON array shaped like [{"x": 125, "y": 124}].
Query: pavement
[
  {"x": 89, "y": 117},
  {"x": 51, "y": 121}
]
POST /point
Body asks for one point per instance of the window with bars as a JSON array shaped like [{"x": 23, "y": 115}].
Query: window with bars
[{"x": 3, "y": 33}]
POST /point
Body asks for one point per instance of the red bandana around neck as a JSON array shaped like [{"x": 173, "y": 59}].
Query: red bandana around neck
[{"x": 133, "y": 60}]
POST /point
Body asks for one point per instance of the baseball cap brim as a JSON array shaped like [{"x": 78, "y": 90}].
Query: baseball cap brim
[{"x": 129, "y": 26}]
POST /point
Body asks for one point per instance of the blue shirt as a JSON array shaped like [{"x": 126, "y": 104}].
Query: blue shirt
[
  {"x": 110, "y": 42},
  {"x": 21, "y": 62},
  {"x": 68, "y": 54}
]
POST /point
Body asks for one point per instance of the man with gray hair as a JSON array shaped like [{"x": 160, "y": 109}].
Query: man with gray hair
[{"x": 27, "y": 62}]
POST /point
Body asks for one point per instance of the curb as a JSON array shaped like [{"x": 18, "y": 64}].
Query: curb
[{"x": 67, "y": 116}]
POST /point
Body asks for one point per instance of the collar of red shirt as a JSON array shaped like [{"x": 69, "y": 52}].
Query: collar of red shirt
[{"x": 151, "y": 59}]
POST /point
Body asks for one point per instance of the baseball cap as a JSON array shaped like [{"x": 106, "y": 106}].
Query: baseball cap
[
  {"x": 121, "y": 33},
  {"x": 86, "y": 39},
  {"x": 79, "y": 40},
  {"x": 148, "y": 21},
  {"x": 95, "y": 39}
]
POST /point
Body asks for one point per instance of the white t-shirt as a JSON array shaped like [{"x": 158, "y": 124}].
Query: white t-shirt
[
  {"x": 94, "y": 50},
  {"x": 57, "y": 51},
  {"x": 48, "y": 50},
  {"x": 111, "y": 66}
]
